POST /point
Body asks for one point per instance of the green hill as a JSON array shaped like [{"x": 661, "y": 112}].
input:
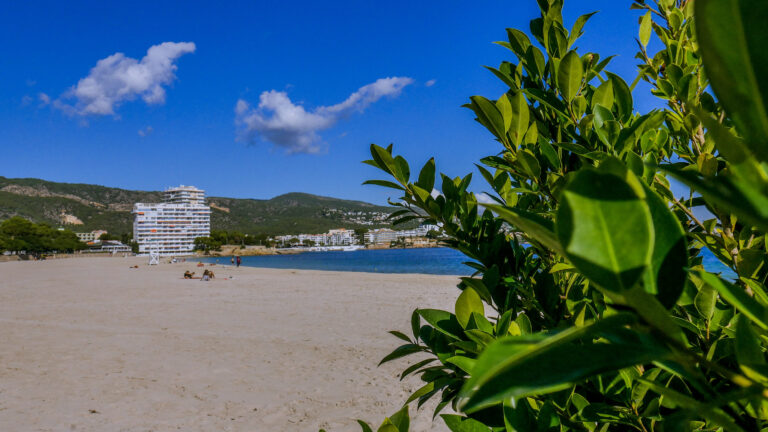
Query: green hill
[{"x": 84, "y": 207}]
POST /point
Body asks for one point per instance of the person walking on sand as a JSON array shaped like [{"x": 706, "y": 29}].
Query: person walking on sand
[
  {"x": 232, "y": 260},
  {"x": 238, "y": 260}
]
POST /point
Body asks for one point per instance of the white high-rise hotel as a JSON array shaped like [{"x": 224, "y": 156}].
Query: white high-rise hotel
[{"x": 172, "y": 226}]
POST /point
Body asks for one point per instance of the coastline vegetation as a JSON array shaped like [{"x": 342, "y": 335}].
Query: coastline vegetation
[
  {"x": 590, "y": 309},
  {"x": 19, "y": 235}
]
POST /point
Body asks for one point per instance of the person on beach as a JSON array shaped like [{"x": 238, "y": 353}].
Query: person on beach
[
  {"x": 238, "y": 260},
  {"x": 207, "y": 275},
  {"x": 188, "y": 275},
  {"x": 232, "y": 260}
]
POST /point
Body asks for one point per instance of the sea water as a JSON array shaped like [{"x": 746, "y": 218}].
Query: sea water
[{"x": 439, "y": 261}]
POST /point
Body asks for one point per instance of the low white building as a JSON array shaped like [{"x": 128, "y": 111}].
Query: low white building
[
  {"x": 171, "y": 227},
  {"x": 335, "y": 237},
  {"x": 386, "y": 235},
  {"x": 90, "y": 236}
]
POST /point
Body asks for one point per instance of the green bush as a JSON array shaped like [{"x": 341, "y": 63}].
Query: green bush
[{"x": 590, "y": 308}]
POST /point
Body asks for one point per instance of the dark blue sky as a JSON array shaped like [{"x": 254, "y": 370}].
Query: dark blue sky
[{"x": 317, "y": 53}]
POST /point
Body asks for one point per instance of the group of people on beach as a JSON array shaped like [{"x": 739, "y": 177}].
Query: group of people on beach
[{"x": 208, "y": 274}]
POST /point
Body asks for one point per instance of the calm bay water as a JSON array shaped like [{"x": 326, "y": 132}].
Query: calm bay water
[{"x": 440, "y": 261}]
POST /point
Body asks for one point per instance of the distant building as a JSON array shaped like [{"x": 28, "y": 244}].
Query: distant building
[
  {"x": 386, "y": 235},
  {"x": 335, "y": 237},
  {"x": 109, "y": 246},
  {"x": 172, "y": 226},
  {"x": 90, "y": 236}
]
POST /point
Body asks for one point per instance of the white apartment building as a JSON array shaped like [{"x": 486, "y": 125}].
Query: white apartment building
[
  {"x": 173, "y": 225},
  {"x": 90, "y": 236}
]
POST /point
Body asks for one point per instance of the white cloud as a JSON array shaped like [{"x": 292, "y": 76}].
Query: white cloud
[
  {"x": 278, "y": 120},
  {"x": 43, "y": 98},
  {"x": 430, "y": 83},
  {"x": 146, "y": 131},
  {"x": 118, "y": 78}
]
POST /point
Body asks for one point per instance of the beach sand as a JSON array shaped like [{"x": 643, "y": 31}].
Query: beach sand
[{"x": 90, "y": 344}]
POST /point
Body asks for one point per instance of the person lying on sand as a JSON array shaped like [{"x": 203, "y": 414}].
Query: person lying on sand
[
  {"x": 188, "y": 275},
  {"x": 200, "y": 264}
]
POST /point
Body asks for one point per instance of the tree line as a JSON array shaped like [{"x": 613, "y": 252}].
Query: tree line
[{"x": 20, "y": 235}]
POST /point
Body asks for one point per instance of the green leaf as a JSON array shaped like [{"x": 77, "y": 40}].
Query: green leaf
[
  {"x": 738, "y": 298},
  {"x": 364, "y": 426},
  {"x": 384, "y": 183},
  {"x": 605, "y": 227},
  {"x": 732, "y": 39},
  {"x": 489, "y": 116},
  {"x": 400, "y": 335},
  {"x": 603, "y": 95},
  {"x": 464, "y": 363},
  {"x": 401, "y": 420},
  {"x": 577, "y": 27},
  {"x": 518, "y": 42},
  {"x": 645, "y": 28},
  {"x": 383, "y": 158},
  {"x": 505, "y": 109},
  {"x": 569, "y": 75},
  {"x": 444, "y": 322},
  {"x": 458, "y": 423},
  {"x": 414, "y": 367},
  {"x": 670, "y": 251},
  {"x": 748, "y": 351},
  {"x": 401, "y": 351},
  {"x": 705, "y": 301},
  {"x": 520, "y": 366},
  {"x": 520, "y": 118},
  {"x": 713, "y": 414},
  {"x": 415, "y": 324},
  {"x": 623, "y": 97},
  {"x": 534, "y": 226},
  {"x": 427, "y": 176},
  {"x": 469, "y": 301}
]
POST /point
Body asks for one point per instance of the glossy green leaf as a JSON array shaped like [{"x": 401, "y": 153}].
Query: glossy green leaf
[
  {"x": 645, "y": 28},
  {"x": 458, "y": 423},
  {"x": 536, "y": 227},
  {"x": 603, "y": 95},
  {"x": 489, "y": 116},
  {"x": 732, "y": 40},
  {"x": 705, "y": 302},
  {"x": 518, "y": 367},
  {"x": 427, "y": 175},
  {"x": 569, "y": 75},
  {"x": 738, "y": 298},
  {"x": 364, "y": 426},
  {"x": 444, "y": 322},
  {"x": 519, "y": 118},
  {"x": 467, "y": 303},
  {"x": 600, "y": 214},
  {"x": 623, "y": 97},
  {"x": 576, "y": 30},
  {"x": 670, "y": 251},
  {"x": 713, "y": 414}
]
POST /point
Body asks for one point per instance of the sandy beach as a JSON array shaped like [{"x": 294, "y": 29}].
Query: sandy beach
[{"x": 90, "y": 344}]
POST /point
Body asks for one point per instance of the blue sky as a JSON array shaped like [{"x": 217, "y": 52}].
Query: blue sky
[{"x": 178, "y": 123}]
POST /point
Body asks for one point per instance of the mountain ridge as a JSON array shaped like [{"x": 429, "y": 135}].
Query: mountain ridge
[{"x": 85, "y": 207}]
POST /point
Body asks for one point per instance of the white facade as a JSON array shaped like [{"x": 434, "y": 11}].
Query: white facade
[
  {"x": 90, "y": 236},
  {"x": 335, "y": 237},
  {"x": 386, "y": 235},
  {"x": 172, "y": 226}
]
